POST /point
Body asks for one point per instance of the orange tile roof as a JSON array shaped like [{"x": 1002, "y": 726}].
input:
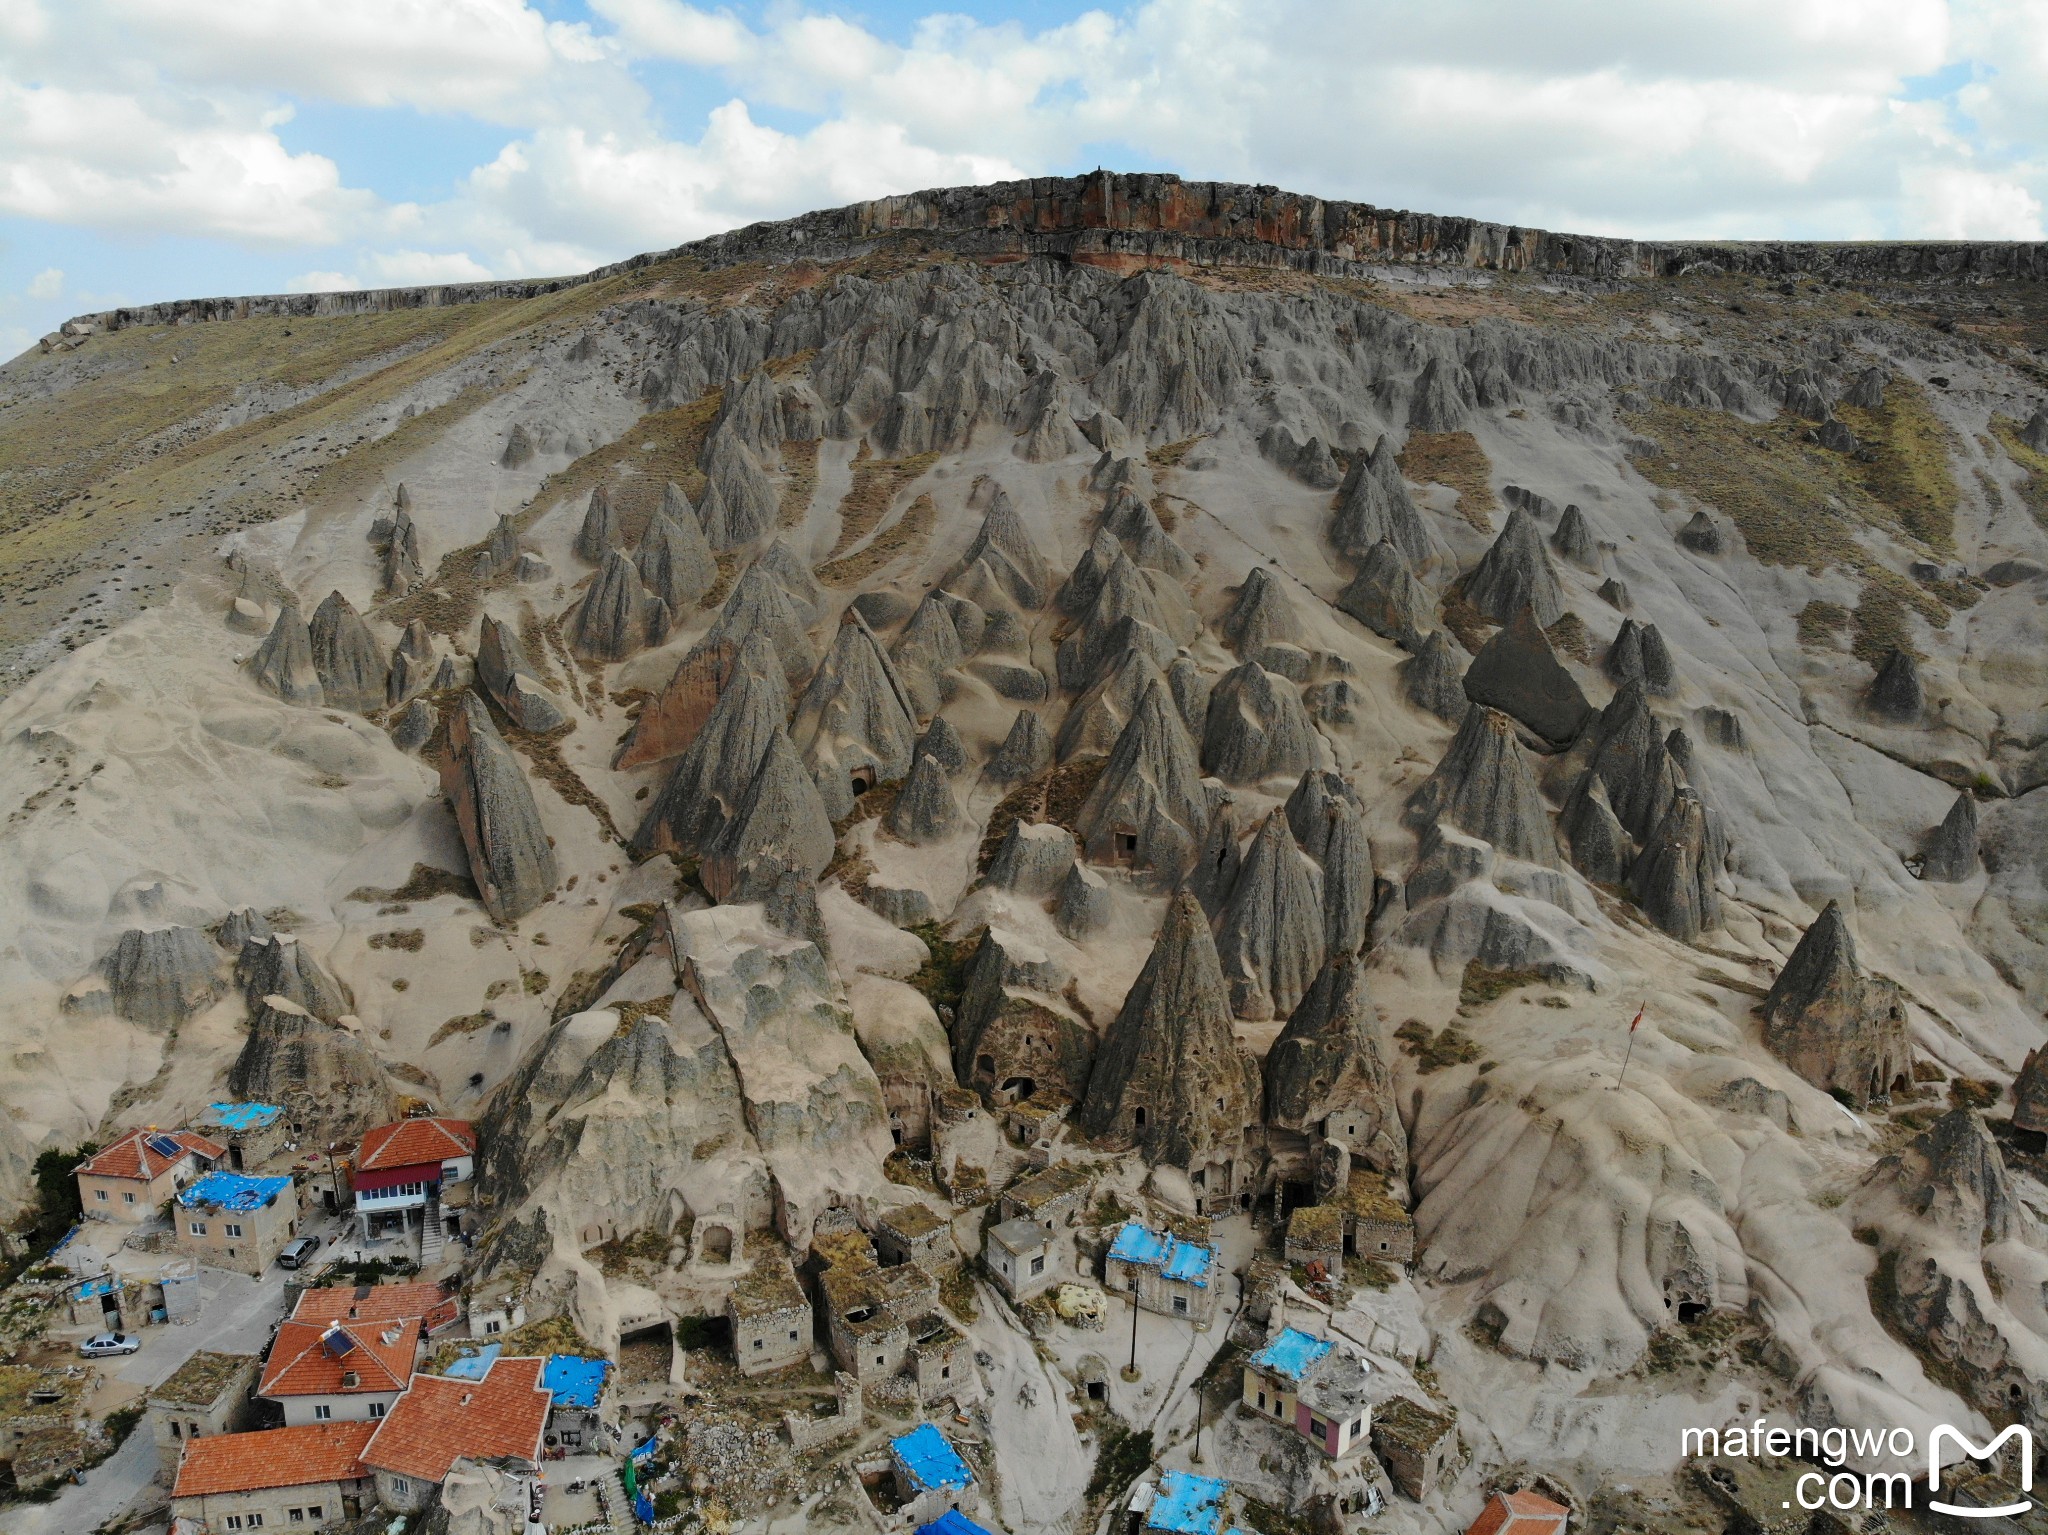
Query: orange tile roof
[
  {"x": 311, "y": 1454},
  {"x": 440, "y": 1420},
  {"x": 130, "y": 1158},
  {"x": 374, "y": 1303},
  {"x": 1519, "y": 1513},
  {"x": 302, "y": 1363},
  {"x": 415, "y": 1142}
]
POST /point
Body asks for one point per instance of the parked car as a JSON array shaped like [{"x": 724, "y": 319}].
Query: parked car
[
  {"x": 100, "y": 1345},
  {"x": 297, "y": 1252}
]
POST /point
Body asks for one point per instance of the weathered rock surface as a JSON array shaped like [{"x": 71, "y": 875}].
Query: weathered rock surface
[
  {"x": 1385, "y": 596},
  {"x": 674, "y": 560},
  {"x": 1839, "y": 1027},
  {"x": 779, "y": 824},
  {"x": 1034, "y": 858},
  {"x": 504, "y": 672},
  {"x": 1326, "y": 1074},
  {"x": 1262, "y": 614},
  {"x": 1083, "y": 906},
  {"x": 510, "y": 857},
  {"x": 1519, "y": 674},
  {"x": 856, "y": 722},
  {"x": 1515, "y": 573},
  {"x": 1897, "y": 693},
  {"x": 2030, "y": 1092},
  {"x": 1269, "y": 934},
  {"x": 1485, "y": 785},
  {"x": 346, "y": 656},
  {"x": 601, "y": 531},
  {"x": 1639, "y": 654},
  {"x": 759, "y": 601},
  {"x": 1950, "y": 852},
  {"x": 1373, "y": 505},
  {"x": 1673, "y": 878},
  {"x": 942, "y": 743},
  {"x": 325, "y": 1077},
  {"x": 1703, "y": 535},
  {"x": 162, "y": 976},
  {"x": 1025, "y": 749},
  {"x": 278, "y": 965},
  {"x": 1003, "y": 563},
  {"x": 1257, "y": 728},
  {"x": 1573, "y": 540},
  {"x": 283, "y": 663},
  {"x": 739, "y": 503},
  {"x": 1597, "y": 844},
  {"x": 1148, "y": 808},
  {"x": 1170, "y": 1078},
  {"x": 715, "y": 769},
  {"x": 1011, "y": 1028},
  {"x": 925, "y": 810},
  {"x": 1433, "y": 679},
  {"x": 616, "y": 616}
]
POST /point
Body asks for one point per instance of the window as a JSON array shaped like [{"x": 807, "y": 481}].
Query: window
[
  {"x": 1262, "y": 1401},
  {"x": 491, "y": 1326},
  {"x": 377, "y": 1409},
  {"x": 1038, "y": 1265},
  {"x": 100, "y": 1195},
  {"x": 126, "y": 1199},
  {"x": 191, "y": 1430},
  {"x": 945, "y": 1372},
  {"x": 197, "y": 1228},
  {"x": 315, "y": 1512},
  {"x": 176, "y": 1432},
  {"x": 234, "y": 1521},
  {"x": 1180, "y": 1305},
  {"x": 322, "y": 1412},
  {"x": 233, "y": 1228},
  {"x": 1317, "y": 1427},
  {"x": 400, "y": 1487},
  {"x": 296, "y": 1515},
  {"x": 757, "y": 1341},
  {"x": 792, "y": 1335},
  {"x": 881, "y": 1358}
]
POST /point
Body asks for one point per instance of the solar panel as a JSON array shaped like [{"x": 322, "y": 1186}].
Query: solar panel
[
  {"x": 163, "y": 1146},
  {"x": 337, "y": 1342}
]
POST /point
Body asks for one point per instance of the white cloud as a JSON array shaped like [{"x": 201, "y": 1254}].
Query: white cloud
[
  {"x": 46, "y": 284},
  {"x": 1955, "y": 204},
  {"x": 322, "y": 282}
]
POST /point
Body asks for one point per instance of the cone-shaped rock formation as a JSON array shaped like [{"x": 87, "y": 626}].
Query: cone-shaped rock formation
[
  {"x": 1326, "y": 1075},
  {"x": 325, "y": 1078},
  {"x": 510, "y": 857},
  {"x": 1486, "y": 786},
  {"x": 856, "y": 723},
  {"x": 601, "y": 531},
  {"x": 616, "y": 616},
  {"x": 925, "y": 810},
  {"x": 1148, "y": 808},
  {"x": 778, "y": 825},
  {"x": 1270, "y": 932},
  {"x": 1433, "y": 678},
  {"x": 1897, "y": 693},
  {"x": 1385, "y": 596},
  {"x": 504, "y": 672},
  {"x": 716, "y": 767},
  {"x": 279, "y": 965},
  {"x": 1950, "y": 854},
  {"x": 1519, "y": 674},
  {"x": 1257, "y": 728},
  {"x": 1840, "y": 1028},
  {"x": 674, "y": 561},
  {"x": 1516, "y": 573},
  {"x": 161, "y": 977},
  {"x": 283, "y": 663}
]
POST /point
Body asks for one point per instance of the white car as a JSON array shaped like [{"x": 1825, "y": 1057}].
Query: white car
[{"x": 100, "y": 1345}]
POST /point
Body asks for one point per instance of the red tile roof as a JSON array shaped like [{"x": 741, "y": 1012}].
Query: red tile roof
[
  {"x": 311, "y": 1454},
  {"x": 1519, "y": 1513},
  {"x": 440, "y": 1420},
  {"x": 129, "y": 1157},
  {"x": 378, "y": 1303},
  {"x": 304, "y": 1363},
  {"x": 415, "y": 1143}
]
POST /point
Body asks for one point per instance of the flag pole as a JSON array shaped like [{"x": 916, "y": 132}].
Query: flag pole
[{"x": 1629, "y": 1054}]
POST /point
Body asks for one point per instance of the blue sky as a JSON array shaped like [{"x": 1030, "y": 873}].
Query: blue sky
[{"x": 164, "y": 148}]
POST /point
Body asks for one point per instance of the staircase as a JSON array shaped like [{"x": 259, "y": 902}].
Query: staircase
[
  {"x": 611, "y": 1497},
  {"x": 432, "y": 1237}
]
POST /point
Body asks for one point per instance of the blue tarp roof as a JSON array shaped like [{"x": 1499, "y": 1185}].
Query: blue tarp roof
[
  {"x": 575, "y": 1381},
  {"x": 930, "y": 1459},
  {"x": 1188, "y": 1504},
  {"x": 1185, "y": 1261},
  {"x": 1293, "y": 1354},
  {"x": 106, "y": 1284},
  {"x": 475, "y": 1366},
  {"x": 232, "y": 1191},
  {"x": 243, "y": 1116},
  {"x": 951, "y": 1522}
]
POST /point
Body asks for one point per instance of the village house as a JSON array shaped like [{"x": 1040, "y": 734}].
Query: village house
[
  {"x": 1023, "y": 1257},
  {"x": 208, "y": 1394},
  {"x": 335, "y": 1372},
  {"x": 1519, "y": 1513},
  {"x": 931, "y": 1477},
  {"x": 577, "y": 1393},
  {"x": 770, "y": 1319},
  {"x": 1375, "y": 1224},
  {"x": 1311, "y": 1386},
  {"x": 939, "y": 1359},
  {"x": 406, "y": 1169},
  {"x": 129, "y": 1180},
  {"x": 1181, "y": 1503},
  {"x": 1273, "y": 1375},
  {"x": 1415, "y": 1444},
  {"x": 1315, "y": 1235},
  {"x": 254, "y": 1133},
  {"x": 914, "y": 1233},
  {"x": 235, "y": 1221},
  {"x": 1053, "y": 1196},
  {"x": 306, "y": 1478},
  {"x": 440, "y": 1421},
  {"x": 868, "y": 1312},
  {"x": 1167, "y": 1274},
  {"x": 435, "y": 1307}
]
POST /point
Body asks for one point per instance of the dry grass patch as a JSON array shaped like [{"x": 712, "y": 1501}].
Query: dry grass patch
[
  {"x": 1456, "y": 460},
  {"x": 2034, "y": 491},
  {"x": 908, "y": 536},
  {"x": 876, "y": 484}
]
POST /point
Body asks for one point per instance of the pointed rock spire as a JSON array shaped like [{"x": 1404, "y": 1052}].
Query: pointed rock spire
[
  {"x": 1190, "y": 687},
  {"x": 1136, "y": 526},
  {"x": 855, "y": 723},
  {"x": 1126, "y": 593},
  {"x": 1082, "y": 908},
  {"x": 1270, "y": 932},
  {"x": 510, "y": 857},
  {"x": 1673, "y": 878},
  {"x": 674, "y": 561},
  {"x": 1033, "y": 859},
  {"x": 1516, "y": 573},
  {"x": 1078, "y": 592},
  {"x": 278, "y": 965},
  {"x": 1702, "y": 535},
  {"x": 779, "y": 824},
  {"x": 1148, "y": 808},
  {"x": 1840, "y": 1028},
  {"x": 752, "y": 412},
  {"x": 601, "y": 531},
  {"x": 1262, "y": 614},
  {"x": 616, "y": 616},
  {"x": 283, "y": 663},
  {"x": 942, "y": 741},
  {"x": 347, "y": 656},
  {"x": 1099, "y": 715},
  {"x": 1326, "y": 1075},
  {"x": 1486, "y": 786},
  {"x": 2030, "y": 1093},
  {"x": 1257, "y": 728},
  {"x": 1950, "y": 853},
  {"x": 759, "y": 602},
  {"x": 1598, "y": 846},
  {"x": 1573, "y": 539},
  {"x": 718, "y": 761},
  {"x": 1326, "y": 817},
  {"x": 327, "y": 1080},
  {"x": 1373, "y": 504},
  {"x": 1049, "y": 431},
  {"x": 1385, "y": 596},
  {"x": 2035, "y": 433},
  {"x": 402, "y": 569},
  {"x": 793, "y": 573},
  {"x": 926, "y": 651},
  {"x": 1953, "y": 1176},
  {"x": 1442, "y": 400},
  {"x": 1519, "y": 674},
  {"x": 1433, "y": 678},
  {"x": 1003, "y": 563},
  {"x": 504, "y": 672},
  {"x": 161, "y": 977},
  {"x": 1630, "y": 755},
  {"x": 739, "y": 503},
  {"x": 1170, "y": 1078},
  {"x": 1896, "y": 693},
  {"x": 1640, "y": 654},
  {"x": 925, "y": 811},
  {"x": 1025, "y": 750},
  {"x": 1213, "y": 874}
]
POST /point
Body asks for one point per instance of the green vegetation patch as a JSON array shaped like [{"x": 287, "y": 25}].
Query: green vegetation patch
[
  {"x": 943, "y": 975},
  {"x": 1482, "y": 984},
  {"x": 1820, "y": 621},
  {"x": 1434, "y": 1051}
]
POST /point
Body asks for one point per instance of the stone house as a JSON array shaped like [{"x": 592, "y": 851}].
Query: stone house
[
  {"x": 915, "y": 1233},
  {"x": 338, "y": 1372},
  {"x": 1335, "y": 1406},
  {"x": 206, "y": 1395},
  {"x": 931, "y": 1477},
  {"x": 235, "y": 1221},
  {"x": 1054, "y": 1196},
  {"x": 1167, "y": 1274},
  {"x": 1273, "y": 1375},
  {"x": 868, "y": 1312},
  {"x": 578, "y": 1393},
  {"x": 254, "y": 1133},
  {"x": 1520, "y": 1513},
  {"x": 306, "y": 1478},
  {"x": 440, "y": 1420},
  {"x": 1024, "y": 1257},
  {"x": 1415, "y": 1444},
  {"x": 939, "y": 1358},
  {"x": 1375, "y": 1224},
  {"x": 129, "y": 1180},
  {"x": 1315, "y": 1234},
  {"x": 770, "y": 1319}
]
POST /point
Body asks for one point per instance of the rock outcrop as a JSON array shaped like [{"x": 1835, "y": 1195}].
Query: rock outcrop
[
  {"x": 856, "y": 722},
  {"x": 1519, "y": 674},
  {"x": 1011, "y": 1029},
  {"x": 1003, "y": 563},
  {"x": 1485, "y": 786},
  {"x": 1261, "y": 614},
  {"x": 1702, "y": 535},
  {"x": 925, "y": 810},
  {"x": 1127, "y": 596},
  {"x": 1270, "y": 932},
  {"x": 1148, "y": 809},
  {"x": 1327, "y": 1075},
  {"x": 2030, "y": 1093},
  {"x": 1639, "y": 654},
  {"x": 1083, "y": 906},
  {"x": 504, "y": 672},
  {"x": 1385, "y": 596},
  {"x": 510, "y": 857},
  {"x": 1897, "y": 693},
  {"x": 1025, "y": 749},
  {"x": 1325, "y": 814},
  {"x": 1515, "y": 573},
  {"x": 1949, "y": 855},
  {"x": 1673, "y": 878},
  {"x": 324, "y": 1077},
  {"x": 346, "y": 656},
  {"x": 1170, "y": 1078},
  {"x": 401, "y": 568},
  {"x": 160, "y": 977},
  {"x": 1433, "y": 678},
  {"x": 1257, "y": 728},
  {"x": 601, "y": 531},
  {"x": 942, "y": 743},
  {"x": 714, "y": 770},
  {"x": 778, "y": 825},
  {"x": 739, "y": 503},
  {"x": 412, "y": 665},
  {"x": 1633, "y": 761},
  {"x": 1572, "y": 538},
  {"x": 929, "y": 650},
  {"x": 1595, "y": 840},
  {"x": 278, "y": 965},
  {"x": 1033, "y": 859},
  {"x": 616, "y": 616},
  {"x": 1840, "y": 1028},
  {"x": 674, "y": 560},
  {"x": 283, "y": 663},
  {"x": 1373, "y": 504},
  {"x": 759, "y": 602}
]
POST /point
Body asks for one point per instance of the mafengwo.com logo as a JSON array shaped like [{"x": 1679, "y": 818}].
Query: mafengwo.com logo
[{"x": 1836, "y": 1486}]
